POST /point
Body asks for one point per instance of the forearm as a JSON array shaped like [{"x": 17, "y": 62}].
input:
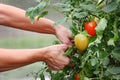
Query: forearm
[
  {"x": 12, "y": 59},
  {"x": 15, "y": 17}
]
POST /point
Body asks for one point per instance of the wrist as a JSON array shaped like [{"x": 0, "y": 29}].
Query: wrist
[
  {"x": 57, "y": 29},
  {"x": 46, "y": 26},
  {"x": 39, "y": 54}
]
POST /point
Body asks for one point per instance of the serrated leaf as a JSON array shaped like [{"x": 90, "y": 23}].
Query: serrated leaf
[
  {"x": 35, "y": 11},
  {"x": 116, "y": 53},
  {"x": 80, "y": 15},
  {"x": 110, "y": 7},
  {"x": 42, "y": 14},
  {"x": 29, "y": 13},
  {"x": 113, "y": 70}
]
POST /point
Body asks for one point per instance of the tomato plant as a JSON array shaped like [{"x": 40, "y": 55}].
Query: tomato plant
[
  {"x": 81, "y": 42},
  {"x": 101, "y": 59},
  {"x": 90, "y": 27}
]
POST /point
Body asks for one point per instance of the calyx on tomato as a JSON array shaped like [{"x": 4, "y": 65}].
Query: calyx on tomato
[
  {"x": 81, "y": 42},
  {"x": 90, "y": 27}
]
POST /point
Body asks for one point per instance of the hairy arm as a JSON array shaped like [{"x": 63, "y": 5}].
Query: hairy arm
[
  {"x": 12, "y": 59},
  {"x": 15, "y": 58},
  {"x": 15, "y": 17}
]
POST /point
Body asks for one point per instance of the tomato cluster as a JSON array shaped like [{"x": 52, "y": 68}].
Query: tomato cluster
[{"x": 82, "y": 41}]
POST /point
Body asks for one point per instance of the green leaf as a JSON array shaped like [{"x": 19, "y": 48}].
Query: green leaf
[
  {"x": 110, "y": 7},
  {"x": 56, "y": 42},
  {"x": 100, "y": 29},
  {"x": 88, "y": 7},
  {"x": 96, "y": 72},
  {"x": 80, "y": 15},
  {"x": 117, "y": 77},
  {"x": 62, "y": 7},
  {"x": 101, "y": 26},
  {"x": 86, "y": 78},
  {"x": 42, "y": 76},
  {"x": 104, "y": 54},
  {"x": 111, "y": 42},
  {"x": 41, "y": 5},
  {"x": 37, "y": 11},
  {"x": 29, "y": 13},
  {"x": 106, "y": 61},
  {"x": 74, "y": 30},
  {"x": 42, "y": 14},
  {"x": 116, "y": 53},
  {"x": 85, "y": 33},
  {"x": 85, "y": 58},
  {"x": 92, "y": 39},
  {"x": 68, "y": 52},
  {"x": 94, "y": 61},
  {"x": 113, "y": 70}
]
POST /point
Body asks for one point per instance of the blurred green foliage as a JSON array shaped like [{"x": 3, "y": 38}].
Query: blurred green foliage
[{"x": 27, "y": 42}]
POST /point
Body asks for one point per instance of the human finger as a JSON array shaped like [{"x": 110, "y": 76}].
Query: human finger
[{"x": 64, "y": 47}]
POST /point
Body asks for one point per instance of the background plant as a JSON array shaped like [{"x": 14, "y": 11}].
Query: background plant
[{"x": 101, "y": 60}]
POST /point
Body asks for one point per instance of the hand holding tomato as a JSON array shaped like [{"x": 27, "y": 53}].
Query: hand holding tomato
[{"x": 90, "y": 27}]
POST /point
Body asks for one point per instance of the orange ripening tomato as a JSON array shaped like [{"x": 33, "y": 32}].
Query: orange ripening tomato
[
  {"x": 81, "y": 42},
  {"x": 77, "y": 76},
  {"x": 90, "y": 27}
]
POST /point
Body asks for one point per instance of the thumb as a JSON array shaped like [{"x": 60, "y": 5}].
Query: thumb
[{"x": 64, "y": 47}]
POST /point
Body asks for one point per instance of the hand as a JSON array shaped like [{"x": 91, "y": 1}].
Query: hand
[
  {"x": 63, "y": 34},
  {"x": 54, "y": 57}
]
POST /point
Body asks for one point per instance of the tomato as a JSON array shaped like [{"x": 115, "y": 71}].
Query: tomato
[
  {"x": 81, "y": 42},
  {"x": 77, "y": 76},
  {"x": 90, "y": 27}
]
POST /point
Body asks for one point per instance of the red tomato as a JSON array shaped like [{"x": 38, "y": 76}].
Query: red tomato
[
  {"x": 90, "y": 27},
  {"x": 77, "y": 76}
]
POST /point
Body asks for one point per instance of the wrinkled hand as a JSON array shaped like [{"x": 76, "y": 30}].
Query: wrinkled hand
[
  {"x": 54, "y": 57},
  {"x": 63, "y": 34}
]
